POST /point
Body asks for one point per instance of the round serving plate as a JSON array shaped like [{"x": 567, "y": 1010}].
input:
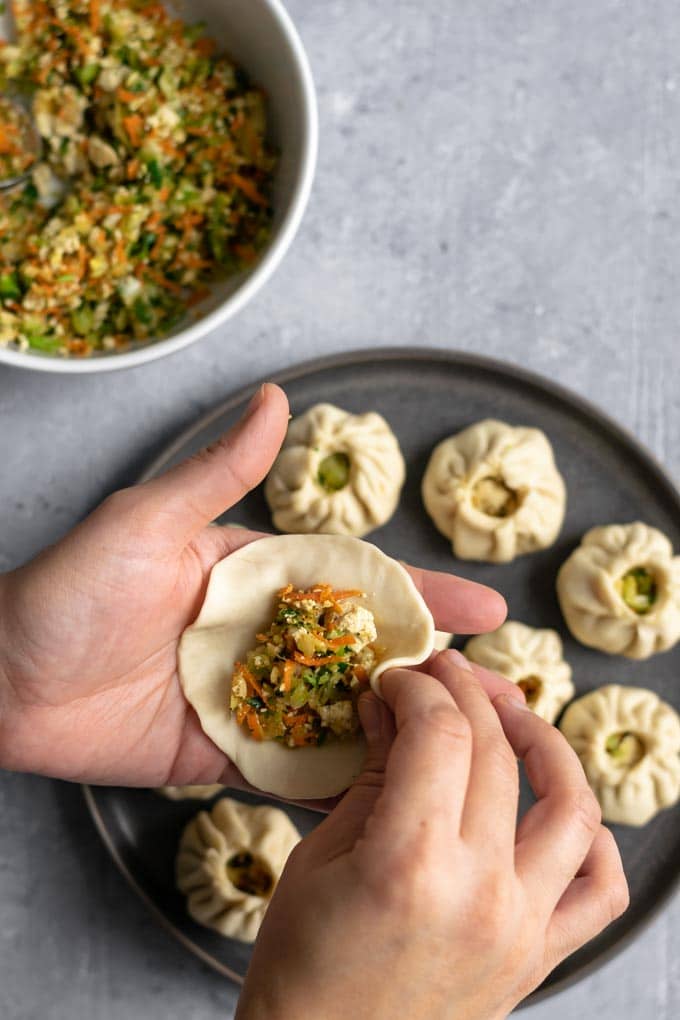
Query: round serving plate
[{"x": 427, "y": 395}]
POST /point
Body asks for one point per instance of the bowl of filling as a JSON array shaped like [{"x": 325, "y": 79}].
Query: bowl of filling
[{"x": 155, "y": 163}]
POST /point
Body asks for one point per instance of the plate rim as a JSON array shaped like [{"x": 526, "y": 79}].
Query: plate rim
[{"x": 517, "y": 373}]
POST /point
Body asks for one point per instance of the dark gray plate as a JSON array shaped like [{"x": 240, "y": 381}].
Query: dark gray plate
[{"x": 427, "y": 395}]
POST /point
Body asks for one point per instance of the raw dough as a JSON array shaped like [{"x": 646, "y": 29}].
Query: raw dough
[
  {"x": 239, "y": 602},
  {"x": 442, "y": 640},
  {"x": 190, "y": 792},
  {"x": 210, "y": 864},
  {"x": 590, "y": 591},
  {"x": 628, "y": 741},
  {"x": 494, "y": 491},
  {"x": 529, "y": 657},
  {"x": 337, "y": 473}
]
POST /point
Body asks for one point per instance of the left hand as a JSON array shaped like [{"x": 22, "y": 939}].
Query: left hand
[{"x": 89, "y": 629}]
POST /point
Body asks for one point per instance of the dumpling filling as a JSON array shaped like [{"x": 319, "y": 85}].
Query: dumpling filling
[
  {"x": 638, "y": 589},
  {"x": 494, "y": 498},
  {"x": 300, "y": 685}
]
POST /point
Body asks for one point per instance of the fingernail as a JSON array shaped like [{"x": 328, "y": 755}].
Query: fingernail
[
  {"x": 370, "y": 715},
  {"x": 458, "y": 659},
  {"x": 254, "y": 403}
]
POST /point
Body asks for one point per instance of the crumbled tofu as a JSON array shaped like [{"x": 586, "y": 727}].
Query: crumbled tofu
[
  {"x": 306, "y": 642},
  {"x": 339, "y": 717},
  {"x": 101, "y": 153},
  {"x": 110, "y": 78},
  {"x": 164, "y": 120},
  {"x": 128, "y": 288},
  {"x": 59, "y": 111},
  {"x": 359, "y": 621},
  {"x": 50, "y": 189}
]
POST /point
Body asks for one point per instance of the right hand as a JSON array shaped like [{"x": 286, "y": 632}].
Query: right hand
[{"x": 420, "y": 896}]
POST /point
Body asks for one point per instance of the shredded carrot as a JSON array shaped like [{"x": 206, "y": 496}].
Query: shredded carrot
[
  {"x": 95, "y": 15},
  {"x": 132, "y": 169},
  {"x": 252, "y": 682},
  {"x": 337, "y": 642},
  {"x": 254, "y": 725},
  {"x": 134, "y": 125},
  {"x": 119, "y": 250},
  {"x": 79, "y": 347},
  {"x": 198, "y": 295},
  {"x": 249, "y": 189},
  {"x": 361, "y": 674},
  {"x": 205, "y": 46},
  {"x": 324, "y": 660},
  {"x": 162, "y": 281},
  {"x": 245, "y": 252},
  {"x": 288, "y": 674},
  {"x": 126, "y": 96}
]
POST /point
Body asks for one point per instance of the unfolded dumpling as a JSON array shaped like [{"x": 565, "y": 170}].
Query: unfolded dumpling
[
  {"x": 620, "y": 590},
  {"x": 337, "y": 473},
  {"x": 228, "y": 863},
  {"x": 533, "y": 659},
  {"x": 628, "y": 741},
  {"x": 494, "y": 491},
  {"x": 239, "y": 604}
]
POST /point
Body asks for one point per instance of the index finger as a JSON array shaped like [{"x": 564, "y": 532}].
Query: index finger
[
  {"x": 555, "y": 835},
  {"x": 429, "y": 762},
  {"x": 458, "y": 605}
]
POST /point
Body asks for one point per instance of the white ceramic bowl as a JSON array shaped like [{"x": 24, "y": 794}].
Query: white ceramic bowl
[{"x": 259, "y": 35}]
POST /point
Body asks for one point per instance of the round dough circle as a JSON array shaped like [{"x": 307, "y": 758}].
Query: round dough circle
[
  {"x": 517, "y": 652},
  {"x": 376, "y": 473},
  {"x": 518, "y": 458},
  {"x": 209, "y": 841},
  {"x": 593, "y": 607},
  {"x": 239, "y": 602},
  {"x": 629, "y": 795}
]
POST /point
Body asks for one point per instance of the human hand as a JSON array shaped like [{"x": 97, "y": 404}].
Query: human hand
[
  {"x": 89, "y": 630},
  {"x": 419, "y": 896}
]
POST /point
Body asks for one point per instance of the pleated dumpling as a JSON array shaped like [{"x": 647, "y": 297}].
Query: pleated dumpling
[
  {"x": 228, "y": 863},
  {"x": 337, "y": 473},
  {"x": 620, "y": 590},
  {"x": 628, "y": 741},
  {"x": 533, "y": 659},
  {"x": 494, "y": 491}
]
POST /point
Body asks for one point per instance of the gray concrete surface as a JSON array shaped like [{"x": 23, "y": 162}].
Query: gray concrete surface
[{"x": 499, "y": 176}]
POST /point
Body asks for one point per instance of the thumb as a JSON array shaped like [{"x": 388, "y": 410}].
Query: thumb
[
  {"x": 345, "y": 824},
  {"x": 188, "y": 497}
]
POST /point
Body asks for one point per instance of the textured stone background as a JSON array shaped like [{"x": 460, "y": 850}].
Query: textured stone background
[{"x": 494, "y": 176}]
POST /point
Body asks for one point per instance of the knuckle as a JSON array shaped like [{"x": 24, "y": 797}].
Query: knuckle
[
  {"x": 582, "y": 806},
  {"x": 619, "y": 898},
  {"x": 499, "y": 754},
  {"x": 446, "y": 721},
  {"x": 120, "y": 502},
  {"x": 406, "y": 879},
  {"x": 613, "y": 883}
]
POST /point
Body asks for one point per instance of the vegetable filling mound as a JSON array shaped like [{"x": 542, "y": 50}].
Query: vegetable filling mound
[
  {"x": 154, "y": 178},
  {"x": 300, "y": 685}
]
